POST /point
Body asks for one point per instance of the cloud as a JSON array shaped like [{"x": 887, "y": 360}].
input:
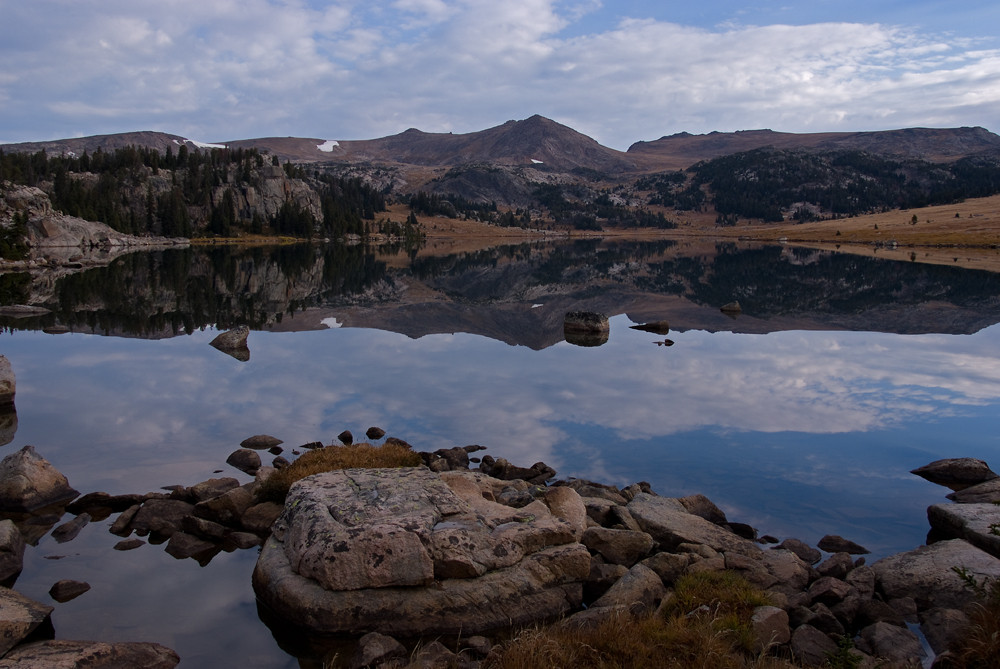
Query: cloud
[{"x": 224, "y": 70}]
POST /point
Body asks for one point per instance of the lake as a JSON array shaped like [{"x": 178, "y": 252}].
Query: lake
[{"x": 802, "y": 416}]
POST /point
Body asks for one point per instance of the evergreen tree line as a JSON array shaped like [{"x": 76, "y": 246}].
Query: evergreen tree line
[
  {"x": 574, "y": 205},
  {"x": 137, "y": 190},
  {"x": 767, "y": 183}
]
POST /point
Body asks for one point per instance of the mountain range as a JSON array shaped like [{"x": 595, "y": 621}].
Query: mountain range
[{"x": 547, "y": 145}]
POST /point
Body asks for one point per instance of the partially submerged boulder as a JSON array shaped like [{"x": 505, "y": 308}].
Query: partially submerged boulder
[
  {"x": 28, "y": 482},
  {"x": 585, "y": 328},
  {"x": 7, "y": 382},
  {"x": 407, "y": 551},
  {"x": 956, "y": 473},
  {"x": 234, "y": 342}
]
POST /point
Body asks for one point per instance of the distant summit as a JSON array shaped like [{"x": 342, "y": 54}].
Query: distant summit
[{"x": 545, "y": 144}]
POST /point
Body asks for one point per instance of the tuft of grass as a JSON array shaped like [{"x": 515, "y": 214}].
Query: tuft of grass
[
  {"x": 357, "y": 456},
  {"x": 979, "y": 647},
  {"x": 710, "y": 638}
]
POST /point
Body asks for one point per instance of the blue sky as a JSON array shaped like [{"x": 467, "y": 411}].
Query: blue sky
[{"x": 618, "y": 71}]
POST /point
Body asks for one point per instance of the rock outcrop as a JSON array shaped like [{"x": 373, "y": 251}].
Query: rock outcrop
[{"x": 410, "y": 552}]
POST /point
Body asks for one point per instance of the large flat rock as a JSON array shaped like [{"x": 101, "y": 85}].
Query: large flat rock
[
  {"x": 979, "y": 524},
  {"x": 927, "y": 574},
  {"x": 670, "y": 524},
  {"x": 61, "y": 654},
  {"x": 409, "y": 551}
]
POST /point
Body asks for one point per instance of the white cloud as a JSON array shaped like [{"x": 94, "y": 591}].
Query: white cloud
[{"x": 225, "y": 70}]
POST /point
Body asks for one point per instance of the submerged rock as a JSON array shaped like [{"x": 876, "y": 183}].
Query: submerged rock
[
  {"x": 66, "y": 589},
  {"x": 7, "y": 381}
]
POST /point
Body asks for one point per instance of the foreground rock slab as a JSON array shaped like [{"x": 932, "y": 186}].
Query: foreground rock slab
[
  {"x": 19, "y": 616},
  {"x": 28, "y": 482},
  {"x": 409, "y": 552},
  {"x": 89, "y": 654}
]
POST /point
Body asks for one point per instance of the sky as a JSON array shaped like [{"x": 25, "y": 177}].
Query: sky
[{"x": 620, "y": 71}]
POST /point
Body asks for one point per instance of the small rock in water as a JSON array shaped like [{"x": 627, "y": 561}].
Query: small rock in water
[
  {"x": 260, "y": 441},
  {"x": 129, "y": 544},
  {"x": 656, "y": 327},
  {"x": 232, "y": 339},
  {"x": 732, "y": 308},
  {"x": 276, "y": 450},
  {"x": 245, "y": 460},
  {"x": 68, "y": 531},
  {"x": 833, "y": 543},
  {"x": 346, "y": 438},
  {"x": 65, "y": 590}
]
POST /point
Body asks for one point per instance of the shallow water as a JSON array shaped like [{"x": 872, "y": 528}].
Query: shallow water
[{"x": 781, "y": 416}]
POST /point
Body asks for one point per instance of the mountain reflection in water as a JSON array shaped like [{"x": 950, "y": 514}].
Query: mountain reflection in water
[{"x": 801, "y": 416}]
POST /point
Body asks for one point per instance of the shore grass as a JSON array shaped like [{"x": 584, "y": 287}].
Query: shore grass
[{"x": 330, "y": 458}]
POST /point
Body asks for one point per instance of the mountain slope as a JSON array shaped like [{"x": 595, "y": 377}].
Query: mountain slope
[{"x": 932, "y": 144}]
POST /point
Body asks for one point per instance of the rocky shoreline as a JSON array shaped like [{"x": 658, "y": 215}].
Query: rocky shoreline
[{"x": 470, "y": 547}]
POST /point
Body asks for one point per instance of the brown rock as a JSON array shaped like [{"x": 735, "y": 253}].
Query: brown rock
[
  {"x": 956, "y": 473},
  {"x": 19, "y": 616},
  {"x": 68, "y": 530},
  {"x": 810, "y": 647},
  {"x": 227, "y": 508},
  {"x": 123, "y": 523},
  {"x": 161, "y": 517},
  {"x": 260, "y": 517},
  {"x": 832, "y": 543},
  {"x": 669, "y": 523},
  {"x": 129, "y": 544},
  {"x": 622, "y": 547},
  {"x": 375, "y": 649},
  {"x": 65, "y": 590},
  {"x": 374, "y": 433},
  {"x": 183, "y": 545},
  {"x": 28, "y": 482},
  {"x": 640, "y": 589},
  {"x": 11, "y": 551},
  {"x": 829, "y": 590},
  {"x": 897, "y": 644},
  {"x": 8, "y": 383},
  {"x": 566, "y": 504},
  {"x": 60, "y": 654},
  {"x": 245, "y": 460},
  {"x": 838, "y": 565},
  {"x": 770, "y": 627},
  {"x": 808, "y": 554},
  {"x": 260, "y": 442},
  {"x": 702, "y": 506},
  {"x": 944, "y": 628}
]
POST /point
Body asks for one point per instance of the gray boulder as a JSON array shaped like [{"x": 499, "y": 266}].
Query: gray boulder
[
  {"x": 976, "y": 523},
  {"x": 232, "y": 340},
  {"x": 11, "y": 551},
  {"x": 260, "y": 442},
  {"x": 408, "y": 552},
  {"x": 770, "y": 627},
  {"x": 640, "y": 589},
  {"x": 245, "y": 460},
  {"x": 986, "y": 492},
  {"x": 19, "y": 616},
  {"x": 808, "y": 554},
  {"x": 897, "y": 644},
  {"x": 375, "y": 649},
  {"x": 28, "y": 482},
  {"x": 622, "y": 547},
  {"x": 60, "y": 654},
  {"x": 670, "y": 524},
  {"x": 927, "y": 574},
  {"x": 811, "y": 647},
  {"x": 833, "y": 543},
  {"x": 7, "y": 381},
  {"x": 956, "y": 473}
]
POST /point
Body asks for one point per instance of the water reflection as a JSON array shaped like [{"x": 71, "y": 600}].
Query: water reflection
[{"x": 801, "y": 416}]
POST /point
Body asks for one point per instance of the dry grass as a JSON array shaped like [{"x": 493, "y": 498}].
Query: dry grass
[
  {"x": 980, "y": 646},
  {"x": 331, "y": 458},
  {"x": 706, "y": 625}
]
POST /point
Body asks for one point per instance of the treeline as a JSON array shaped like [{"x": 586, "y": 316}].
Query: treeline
[
  {"x": 775, "y": 185},
  {"x": 574, "y": 205},
  {"x": 455, "y": 206},
  {"x": 221, "y": 191}
]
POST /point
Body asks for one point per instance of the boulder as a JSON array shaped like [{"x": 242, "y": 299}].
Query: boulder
[
  {"x": 128, "y": 544},
  {"x": 623, "y": 547},
  {"x": 808, "y": 554},
  {"x": 702, "y": 506},
  {"x": 979, "y": 524},
  {"x": 928, "y": 574},
  {"x": 838, "y": 565},
  {"x": 232, "y": 340},
  {"x": 346, "y": 438},
  {"x": 7, "y": 381},
  {"x": 956, "y": 473},
  {"x": 245, "y": 460},
  {"x": 896, "y": 644},
  {"x": 640, "y": 589},
  {"x": 68, "y": 530},
  {"x": 832, "y": 543},
  {"x": 602, "y": 577},
  {"x": 183, "y": 545},
  {"x": 227, "y": 509},
  {"x": 66, "y": 589},
  {"x": 811, "y": 647},
  {"x": 731, "y": 308},
  {"x": 375, "y": 649},
  {"x": 670, "y": 524},
  {"x": 770, "y": 627},
  {"x": 28, "y": 482},
  {"x": 260, "y": 517},
  {"x": 565, "y": 503},
  {"x": 11, "y": 551},
  {"x": 261, "y": 442},
  {"x": 160, "y": 517},
  {"x": 656, "y": 327},
  {"x": 374, "y": 433},
  {"x": 8, "y": 424},
  {"x": 19, "y": 616},
  {"x": 408, "y": 552},
  {"x": 586, "y": 322},
  {"x": 60, "y": 654},
  {"x": 987, "y": 492}
]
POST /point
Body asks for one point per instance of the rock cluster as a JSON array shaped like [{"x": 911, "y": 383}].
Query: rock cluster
[{"x": 408, "y": 552}]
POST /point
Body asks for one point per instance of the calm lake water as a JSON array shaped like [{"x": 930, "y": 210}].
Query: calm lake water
[{"x": 801, "y": 417}]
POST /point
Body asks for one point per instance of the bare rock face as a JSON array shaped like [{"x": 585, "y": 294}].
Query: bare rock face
[
  {"x": 19, "y": 616},
  {"x": 973, "y": 522},
  {"x": 11, "y": 551},
  {"x": 926, "y": 574},
  {"x": 7, "y": 381},
  {"x": 986, "y": 492},
  {"x": 59, "y": 654},
  {"x": 409, "y": 552},
  {"x": 956, "y": 473},
  {"x": 28, "y": 482}
]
